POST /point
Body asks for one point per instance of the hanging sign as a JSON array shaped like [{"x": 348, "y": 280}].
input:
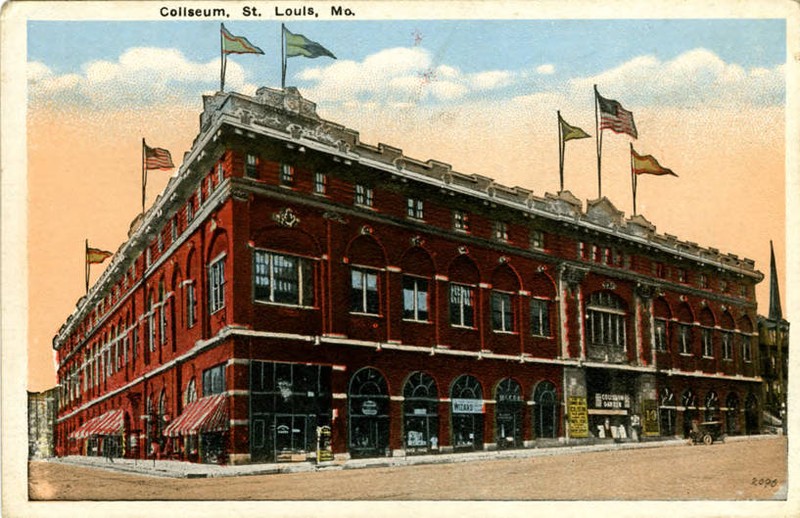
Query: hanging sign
[
  {"x": 578, "y": 417},
  {"x": 467, "y": 406},
  {"x": 369, "y": 407}
]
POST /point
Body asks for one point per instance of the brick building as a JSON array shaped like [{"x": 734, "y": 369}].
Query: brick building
[{"x": 293, "y": 284}]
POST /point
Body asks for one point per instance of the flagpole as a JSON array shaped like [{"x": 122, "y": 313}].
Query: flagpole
[
  {"x": 283, "y": 57},
  {"x": 144, "y": 174},
  {"x": 599, "y": 143},
  {"x": 86, "y": 264},
  {"x": 560, "y": 151},
  {"x": 221, "y": 60},
  {"x": 633, "y": 181}
]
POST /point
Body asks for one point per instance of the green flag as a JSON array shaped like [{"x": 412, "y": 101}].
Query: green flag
[
  {"x": 571, "y": 132},
  {"x": 236, "y": 44},
  {"x": 299, "y": 45}
]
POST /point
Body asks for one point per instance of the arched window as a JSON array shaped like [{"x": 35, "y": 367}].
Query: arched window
[
  {"x": 162, "y": 411},
  {"x": 508, "y": 414},
  {"x": 667, "y": 412},
  {"x": 466, "y": 404},
  {"x": 606, "y": 317},
  {"x": 369, "y": 414},
  {"x": 191, "y": 393},
  {"x": 545, "y": 411},
  {"x": 689, "y": 404},
  {"x": 661, "y": 314},
  {"x": 732, "y": 414},
  {"x": 420, "y": 413},
  {"x": 712, "y": 406}
]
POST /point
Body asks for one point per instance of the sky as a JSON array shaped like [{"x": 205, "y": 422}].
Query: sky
[{"x": 707, "y": 96}]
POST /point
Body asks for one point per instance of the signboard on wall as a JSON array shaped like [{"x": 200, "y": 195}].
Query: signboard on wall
[
  {"x": 650, "y": 417},
  {"x": 613, "y": 401},
  {"x": 467, "y": 406},
  {"x": 324, "y": 448},
  {"x": 578, "y": 417}
]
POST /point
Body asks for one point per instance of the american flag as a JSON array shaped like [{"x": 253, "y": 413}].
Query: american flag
[
  {"x": 157, "y": 158},
  {"x": 614, "y": 117}
]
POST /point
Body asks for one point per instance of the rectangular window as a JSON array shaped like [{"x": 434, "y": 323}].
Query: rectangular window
[
  {"x": 414, "y": 208},
  {"x": 320, "y": 183},
  {"x": 415, "y": 299},
  {"x": 174, "y": 229},
  {"x": 199, "y": 196},
  {"x": 703, "y": 280},
  {"x": 190, "y": 210},
  {"x": 661, "y": 335},
  {"x": 462, "y": 305},
  {"x": 364, "y": 291},
  {"x": 151, "y": 330},
  {"x": 685, "y": 339},
  {"x": 727, "y": 350},
  {"x": 162, "y": 319},
  {"x": 681, "y": 274},
  {"x": 216, "y": 285},
  {"x": 743, "y": 291},
  {"x": 214, "y": 380},
  {"x": 287, "y": 175},
  {"x": 220, "y": 174},
  {"x": 660, "y": 270},
  {"x": 502, "y": 312},
  {"x": 540, "y": 317},
  {"x": 708, "y": 343},
  {"x": 191, "y": 305},
  {"x": 283, "y": 279},
  {"x": 363, "y": 195},
  {"x": 537, "y": 240},
  {"x": 461, "y": 221},
  {"x": 147, "y": 256},
  {"x": 160, "y": 242},
  {"x": 250, "y": 168},
  {"x": 500, "y": 231},
  {"x": 746, "y": 349}
]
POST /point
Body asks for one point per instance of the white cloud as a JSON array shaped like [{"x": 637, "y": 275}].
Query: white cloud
[
  {"x": 694, "y": 78},
  {"x": 141, "y": 76},
  {"x": 545, "y": 69},
  {"x": 491, "y": 80}
]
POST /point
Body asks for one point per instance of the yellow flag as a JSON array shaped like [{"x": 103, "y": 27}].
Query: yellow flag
[{"x": 571, "y": 132}]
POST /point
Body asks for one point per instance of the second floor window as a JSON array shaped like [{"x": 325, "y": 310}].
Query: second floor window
[
  {"x": 462, "y": 305},
  {"x": 540, "y": 317},
  {"x": 502, "y": 312},
  {"x": 191, "y": 304},
  {"x": 461, "y": 220},
  {"x": 708, "y": 343},
  {"x": 727, "y": 349},
  {"x": 661, "y": 335},
  {"x": 287, "y": 175},
  {"x": 415, "y": 299},
  {"x": 214, "y": 380},
  {"x": 364, "y": 291},
  {"x": 216, "y": 285},
  {"x": 283, "y": 279},
  {"x": 747, "y": 354},
  {"x": 606, "y": 318},
  {"x": 685, "y": 339},
  {"x": 414, "y": 208},
  {"x": 363, "y": 195}
]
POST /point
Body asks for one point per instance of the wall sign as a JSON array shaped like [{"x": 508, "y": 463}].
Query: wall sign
[
  {"x": 578, "y": 417},
  {"x": 650, "y": 425},
  {"x": 612, "y": 401},
  {"x": 467, "y": 406},
  {"x": 369, "y": 407}
]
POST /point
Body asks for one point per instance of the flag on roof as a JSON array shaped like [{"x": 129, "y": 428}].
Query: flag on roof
[
  {"x": 236, "y": 44},
  {"x": 299, "y": 45},
  {"x": 96, "y": 256},
  {"x": 157, "y": 158},
  {"x": 647, "y": 164},
  {"x": 571, "y": 132},
  {"x": 614, "y": 117}
]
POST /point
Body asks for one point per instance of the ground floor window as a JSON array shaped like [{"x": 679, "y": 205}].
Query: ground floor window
[
  {"x": 508, "y": 414},
  {"x": 368, "y": 413},
  {"x": 689, "y": 404},
  {"x": 667, "y": 412},
  {"x": 420, "y": 414},
  {"x": 751, "y": 415},
  {"x": 466, "y": 397},
  {"x": 545, "y": 411},
  {"x": 732, "y": 414},
  {"x": 288, "y": 402}
]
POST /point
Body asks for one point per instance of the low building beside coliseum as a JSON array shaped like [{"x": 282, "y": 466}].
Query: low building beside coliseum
[{"x": 295, "y": 293}]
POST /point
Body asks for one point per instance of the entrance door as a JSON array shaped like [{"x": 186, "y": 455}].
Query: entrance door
[
  {"x": 420, "y": 411},
  {"x": 369, "y": 414},
  {"x": 466, "y": 409},
  {"x": 545, "y": 421},
  {"x": 508, "y": 414},
  {"x": 751, "y": 415}
]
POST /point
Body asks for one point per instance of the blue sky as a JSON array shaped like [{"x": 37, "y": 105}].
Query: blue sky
[{"x": 575, "y": 48}]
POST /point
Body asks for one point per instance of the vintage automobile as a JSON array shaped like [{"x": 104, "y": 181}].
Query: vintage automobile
[{"x": 706, "y": 432}]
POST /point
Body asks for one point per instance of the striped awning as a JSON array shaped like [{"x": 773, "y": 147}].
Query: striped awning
[
  {"x": 208, "y": 414},
  {"x": 110, "y": 423}
]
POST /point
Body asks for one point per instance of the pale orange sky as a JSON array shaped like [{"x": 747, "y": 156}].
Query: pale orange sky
[{"x": 84, "y": 181}]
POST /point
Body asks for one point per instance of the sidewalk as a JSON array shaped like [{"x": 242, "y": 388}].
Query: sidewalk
[{"x": 179, "y": 469}]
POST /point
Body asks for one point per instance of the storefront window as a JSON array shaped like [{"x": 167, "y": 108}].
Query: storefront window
[
  {"x": 667, "y": 412},
  {"x": 689, "y": 404},
  {"x": 732, "y": 414},
  {"x": 508, "y": 414},
  {"x": 369, "y": 414},
  {"x": 466, "y": 397},
  {"x": 420, "y": 411},
  {"x": 545, "y": 411},
  {"x": 712, "y": 407}
]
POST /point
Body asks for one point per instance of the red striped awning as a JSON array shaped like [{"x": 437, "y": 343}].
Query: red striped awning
[
  {"x": 208, "y": 414},
  {"x": 110, "y": 423}
]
